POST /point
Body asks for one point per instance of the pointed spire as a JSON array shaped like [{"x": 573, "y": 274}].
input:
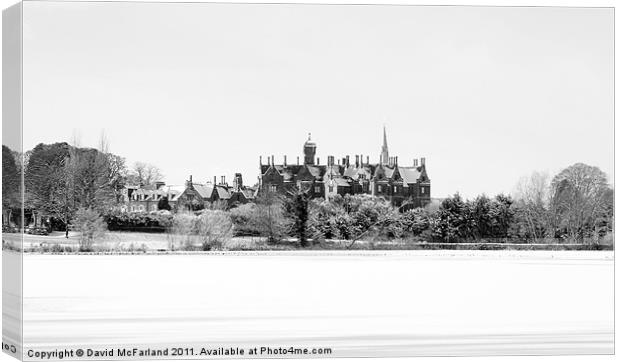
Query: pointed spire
[
  {"x": 385, "y": 156},
  {"x": 384, "y": 138}
]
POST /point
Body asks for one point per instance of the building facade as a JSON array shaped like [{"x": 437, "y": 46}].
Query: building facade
[
  {"x": 405, "y": 186},
  {"x": 190, "y": 197},
  {"x": 197, "y": 196},
  {"x": 146, "y": 198}
]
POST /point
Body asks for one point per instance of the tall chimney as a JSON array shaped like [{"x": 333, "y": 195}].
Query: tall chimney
[
  {"x": 357, "y": 161},
  {"x": 284, "y": 160},
  {"x": 423, "y": 161},
  {"x": 368, "y": 160},
  {"x": 318, "y": 161},
  {"x": 396, "y": 161},
  {"x": 297, "y": 160},
  {"x": 273, "y": 160},
  {"x": 260, "y": 160},
  {"x": 347, "y": 160},
  {"x": 214, "y": 180},
  {"x": 361, "y": 160}
]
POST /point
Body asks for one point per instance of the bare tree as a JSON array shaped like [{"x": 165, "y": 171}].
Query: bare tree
[
  {"x": 111, "y": 174},
  {"x": 532, "y": 194},
  {"x": 146, "y": 173},
  {"x": 269, "y": 216},
  {"x": 580, "y": 195}
]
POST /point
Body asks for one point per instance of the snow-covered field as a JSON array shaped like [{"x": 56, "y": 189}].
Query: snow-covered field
[{"x": 357, "y": 303}]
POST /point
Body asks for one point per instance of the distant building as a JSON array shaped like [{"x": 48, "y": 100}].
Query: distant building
[
  {"x": 405, "y": 186},
  {"x": 146, "y": 198},
  {"x": 191, "y": 196},
  {"x": 197, "y": 196}
]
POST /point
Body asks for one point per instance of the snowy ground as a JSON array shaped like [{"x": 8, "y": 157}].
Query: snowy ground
[
  {"x": 359, "y": 303},
  {"x": 112, "y": 240}
]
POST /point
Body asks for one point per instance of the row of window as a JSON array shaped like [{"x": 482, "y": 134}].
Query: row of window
[
  {"x": 396, "y": 189},
  {"x": 143, "y": 197},
  {"x": 137, "y": 208},
  {"x": 317, "y": 189}
]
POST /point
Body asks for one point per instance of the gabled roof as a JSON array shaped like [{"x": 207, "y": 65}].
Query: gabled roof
[
  {"x": 249, "y": 193},
  {"x": 331, "y": 172},
  {"x": 342, "y": 182},
  {"x": 205, "y": 191},
  {"x": 294, "y": 172},
  {"x": 175, "y": 189},
  {"x": 287, "y": 174},
  {"x": 314, "y": 170},
  {"x": 174, "y": 192},
  {"x": 410, "y": 175},
  {"x": 379, "y": 172},
  {"x": 222, "y": 192},
  {"x": 338, "y": 181},
  {"x": 356, "y": 172},
  {"x": 351, "y": 172}
]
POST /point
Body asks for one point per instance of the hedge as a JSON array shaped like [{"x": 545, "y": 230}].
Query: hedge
[{"x": 154, "y": 222}]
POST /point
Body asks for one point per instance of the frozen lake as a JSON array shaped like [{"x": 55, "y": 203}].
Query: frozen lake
[{"x": 357, "y": 304}]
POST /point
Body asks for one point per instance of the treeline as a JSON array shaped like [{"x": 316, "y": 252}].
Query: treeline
[
  {"x": 575, "y": 206},
  {"x": 61, "y": 179},
  {"x": 71, "y": 184}
]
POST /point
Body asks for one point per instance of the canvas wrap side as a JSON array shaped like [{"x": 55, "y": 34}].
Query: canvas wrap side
[{"x": 12, "y": 205}]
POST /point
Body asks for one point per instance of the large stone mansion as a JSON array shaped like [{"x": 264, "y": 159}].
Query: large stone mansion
[{"x": 405, "y": 186}]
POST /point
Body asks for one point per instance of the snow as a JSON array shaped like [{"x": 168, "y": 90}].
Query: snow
[{"x": 357, "y": 303}]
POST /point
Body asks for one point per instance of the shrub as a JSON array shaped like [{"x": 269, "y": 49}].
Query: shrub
[
  {"x": 91, "y": 227},
  {"x": 214, "y": 228},
  {"x": 322, "y": 223},
  {"x": 163, "y": 204},
  {"x": 269, "y": 217},
  {"x": 345, "y": 226},
  {"x": 182, "y": 231},
  {"x": 415, "y": 221},
  {"x": 297, "y": 211},
  {"x": 217, "y": 205},
  {"x": 157, "y": 221},
  {"x": 244, "y": 219}
]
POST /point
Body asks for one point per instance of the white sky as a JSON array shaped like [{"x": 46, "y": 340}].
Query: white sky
[{"x": 485, "y": 94}]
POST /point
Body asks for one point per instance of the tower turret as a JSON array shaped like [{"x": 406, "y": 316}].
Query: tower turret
[
  {"x": 309, "y": 151},
  {"x": 238, "y": 182}
]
